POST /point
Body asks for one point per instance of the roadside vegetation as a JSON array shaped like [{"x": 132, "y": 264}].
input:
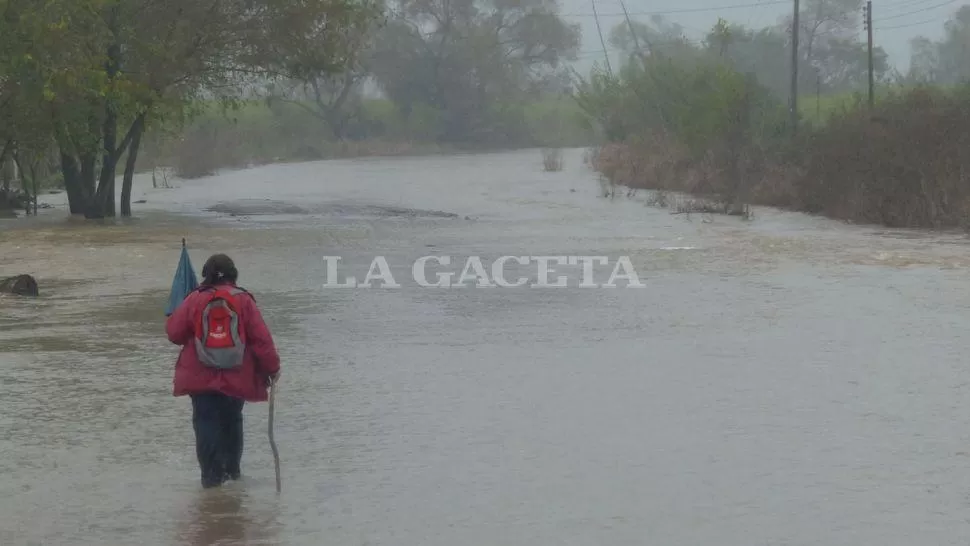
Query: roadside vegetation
[{"x": 711, "y": 120}]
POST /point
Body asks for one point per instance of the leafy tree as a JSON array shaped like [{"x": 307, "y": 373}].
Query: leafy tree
[
  {"x": 102, "y": 71},
  {"x": 475, "y": 62},
  {"x": 323, "y": 75}
]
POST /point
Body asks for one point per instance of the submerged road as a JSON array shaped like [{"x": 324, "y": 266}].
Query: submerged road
[{"x": 789, "y": 380}]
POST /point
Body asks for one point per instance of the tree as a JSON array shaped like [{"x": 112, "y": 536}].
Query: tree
[
  {"x": 948, "y": 60},
  {"x": 467, "y": 66},
  {"x": 762, "y": 52},
  {"x": 309, "y": 77},
  {"x": 924, "y": 64},
  {"x": 103, "y": 70},
  {"x": 844, "y": 64},
  {"x": 25, "y": 133},
  {"x": 824, "y": 20},
  {"x": 655, "y": 38}
]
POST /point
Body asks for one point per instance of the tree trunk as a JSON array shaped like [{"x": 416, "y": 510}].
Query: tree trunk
[
  {"x": 93, "y": 207},
  {"x": 36, "y": 188},
  {"x": 6, "y": 166},
  {"x": 130, "y": 165},
  {"x": 105, "y": 197},
  {"x": 110, "y": 206},
  {"x": 24, "y": 183},
  {"x": 337, "y": 123},
  {"x": 88, "y": 164},
  {"x": 8, "y": 171},
  {"x": 72, "y": 184},
  {"x": 334, "y": 113}
]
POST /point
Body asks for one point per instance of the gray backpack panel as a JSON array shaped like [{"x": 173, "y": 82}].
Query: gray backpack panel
[{"x": 220, "y": 358}]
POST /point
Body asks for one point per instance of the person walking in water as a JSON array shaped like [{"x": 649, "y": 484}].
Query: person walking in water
[{"x": 227, "y": 359}]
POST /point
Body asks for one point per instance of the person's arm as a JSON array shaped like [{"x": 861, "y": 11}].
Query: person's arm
[
  {"x": 260, "y": 341},
  {"x": 179, "y": 325}
]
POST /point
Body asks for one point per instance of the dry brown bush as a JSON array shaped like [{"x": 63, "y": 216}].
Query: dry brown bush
[
  {"x": 905, "y": 164},
  {"x": 656, "y": 164}
]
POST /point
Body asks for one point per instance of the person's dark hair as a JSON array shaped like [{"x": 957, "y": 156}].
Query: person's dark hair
[{"x": 219, "y": 269}]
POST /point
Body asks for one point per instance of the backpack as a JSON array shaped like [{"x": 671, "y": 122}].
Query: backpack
[{"x": 220, "y": 340}]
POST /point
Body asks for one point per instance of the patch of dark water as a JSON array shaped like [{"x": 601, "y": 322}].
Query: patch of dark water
[{"x": 269, "y": 207}]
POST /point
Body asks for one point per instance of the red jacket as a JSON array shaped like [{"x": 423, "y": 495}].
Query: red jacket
[{"x": 259, "y": 361}]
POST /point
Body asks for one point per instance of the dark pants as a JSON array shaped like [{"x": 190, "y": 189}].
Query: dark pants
[{"x": 218, "y": 423}]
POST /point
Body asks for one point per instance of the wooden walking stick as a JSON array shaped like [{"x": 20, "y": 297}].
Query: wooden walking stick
[{"x": 272, "y": 441}]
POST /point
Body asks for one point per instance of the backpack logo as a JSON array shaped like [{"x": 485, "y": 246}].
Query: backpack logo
[{"x": 219, "y": 340}]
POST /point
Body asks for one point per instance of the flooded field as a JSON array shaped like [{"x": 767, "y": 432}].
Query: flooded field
[{"x": 789, "y": 380}]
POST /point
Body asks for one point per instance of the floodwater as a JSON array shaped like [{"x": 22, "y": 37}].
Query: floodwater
[{"x": 788, "y": 380}]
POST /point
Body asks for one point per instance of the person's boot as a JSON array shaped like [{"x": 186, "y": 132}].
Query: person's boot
[{"x": 209, "y": 482}]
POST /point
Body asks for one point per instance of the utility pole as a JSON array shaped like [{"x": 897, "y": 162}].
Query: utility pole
[
  {"x": 633, "y": 33},
  {"x": 602, "y": 42},
  {"x": 867, "y": 12},
  {"x": 818, "y": 94},
  {"x": 643, "y": 63},
  {"x": 794, "y": 69}
]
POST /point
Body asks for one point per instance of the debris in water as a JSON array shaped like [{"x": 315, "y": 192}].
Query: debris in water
[{"x": 20, "y": 285}]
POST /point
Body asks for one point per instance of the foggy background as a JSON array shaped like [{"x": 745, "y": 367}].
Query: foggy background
[{"x": 895, "y": 22}]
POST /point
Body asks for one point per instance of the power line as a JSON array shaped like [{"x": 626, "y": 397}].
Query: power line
[
  {"x": 917, "y": 11},
  {"x": 602, "y": 41},
  {"x": 933, "y": 20},
  {"x": 691, "y": 10},
  {"x": 684, "y": 40},
  {"x": 904, "y": 4},
  {"x": 656, "y": 45}
]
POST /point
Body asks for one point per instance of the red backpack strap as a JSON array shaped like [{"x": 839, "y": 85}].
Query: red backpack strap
[
  {"x": 240, "y": 290},
  {"x": 232, "y": 290}
]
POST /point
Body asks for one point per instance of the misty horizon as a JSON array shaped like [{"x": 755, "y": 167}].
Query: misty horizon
[{"x": 895, "y": 23}]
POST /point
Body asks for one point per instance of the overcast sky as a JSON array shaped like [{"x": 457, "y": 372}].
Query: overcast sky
[{"x": 895, "y": 22}]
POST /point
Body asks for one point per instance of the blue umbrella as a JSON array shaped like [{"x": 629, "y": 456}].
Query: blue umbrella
[{"x": 183, "y": 283}]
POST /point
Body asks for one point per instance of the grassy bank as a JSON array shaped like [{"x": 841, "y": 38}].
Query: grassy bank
[
  {"x": 259, "y": 133},
  {"x": 819, "y": 110}
]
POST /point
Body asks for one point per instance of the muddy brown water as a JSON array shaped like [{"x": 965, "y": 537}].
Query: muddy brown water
[{"x": 789, "y": 380}]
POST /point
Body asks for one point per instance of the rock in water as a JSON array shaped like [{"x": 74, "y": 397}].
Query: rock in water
[{"x": 21, "y": 285}]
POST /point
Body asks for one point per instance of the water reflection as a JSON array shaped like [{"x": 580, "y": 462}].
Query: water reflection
[{"x": 226, "y": 516}]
